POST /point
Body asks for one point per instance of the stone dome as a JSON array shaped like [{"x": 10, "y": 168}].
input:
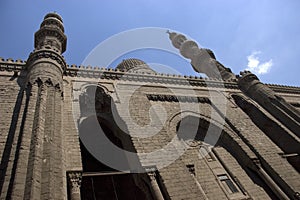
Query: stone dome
[
  {"x": 134, "y": 65},
  {"x": 53, "y": 15}
]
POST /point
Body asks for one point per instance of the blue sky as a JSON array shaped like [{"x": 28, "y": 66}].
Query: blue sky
[{"x": 261, "y": 35}]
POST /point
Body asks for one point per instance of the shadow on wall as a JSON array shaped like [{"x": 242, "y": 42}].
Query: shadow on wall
[
  {"x": 225, "y": 141},
  {"x": 24, "y": 92},
  {"x": 273, "y": 130}
]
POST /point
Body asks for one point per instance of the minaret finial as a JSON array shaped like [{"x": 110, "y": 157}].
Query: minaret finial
[{"x": 51, "y": 34}]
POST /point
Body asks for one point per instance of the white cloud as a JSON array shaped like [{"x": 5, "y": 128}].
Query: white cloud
[{"x": 255, "y": 66}]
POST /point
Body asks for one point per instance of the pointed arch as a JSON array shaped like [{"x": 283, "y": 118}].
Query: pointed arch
[{"x": 230, "y": 142}]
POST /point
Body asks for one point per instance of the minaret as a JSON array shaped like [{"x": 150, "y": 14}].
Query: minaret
[
  {"x": 39, "y": 169},
  {"x": 46, "y": 61},
  {"x": 202, "y": 60}
]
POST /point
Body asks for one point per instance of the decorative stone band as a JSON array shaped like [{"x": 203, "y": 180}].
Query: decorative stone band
[
  {"x": 35, "y": 55},
  {"x": 50, "y": 31},
  {"x": 172, "y": 98},
  {"x": 45, "y": 64},
  {"x": 47, "y": 83}
]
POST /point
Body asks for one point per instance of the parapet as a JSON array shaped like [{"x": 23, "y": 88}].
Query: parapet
[{"x": 12, "y": 65}]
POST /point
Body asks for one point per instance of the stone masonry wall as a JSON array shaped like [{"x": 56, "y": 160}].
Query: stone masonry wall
[
  {"x": 131, "y": 98},
  {"x": 11, "y": 113}
]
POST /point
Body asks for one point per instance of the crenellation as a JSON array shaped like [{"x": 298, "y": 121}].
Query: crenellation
[{"x": 10, "y": 60}]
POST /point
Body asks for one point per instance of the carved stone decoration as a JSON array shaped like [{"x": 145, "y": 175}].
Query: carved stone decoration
[
  {"x": 74, "y": 181},
  {"x": 193, "y": 143},
  {"x": 53, "y": 56},
  {"x": 172, "y": 98}
]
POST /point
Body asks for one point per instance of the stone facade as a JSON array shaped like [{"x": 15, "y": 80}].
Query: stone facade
[{"x": 231, "y": 137}]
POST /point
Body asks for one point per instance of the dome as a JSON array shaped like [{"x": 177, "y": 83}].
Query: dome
[
  {"x": 134, "y": 65},
  {"x": 53, "y": 15}
]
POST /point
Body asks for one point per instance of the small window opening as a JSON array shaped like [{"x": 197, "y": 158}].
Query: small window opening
[{"x": 227, "y": 183}]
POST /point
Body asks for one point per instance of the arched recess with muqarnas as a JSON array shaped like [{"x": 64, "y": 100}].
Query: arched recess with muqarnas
[
  {"x": 209, "y": 157},
  {"x": 99, "y": 180}
]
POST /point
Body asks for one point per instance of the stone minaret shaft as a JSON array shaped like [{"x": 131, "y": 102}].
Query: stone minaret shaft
[
  {"x": 202, "y": 60},
  {"x": 39, "y": 169}
]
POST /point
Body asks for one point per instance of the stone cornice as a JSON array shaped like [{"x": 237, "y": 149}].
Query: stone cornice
[
  {"x": 284, "y": 88},
  {"x": 113, "y": 74},
  {"x": 175, "y": 79}
]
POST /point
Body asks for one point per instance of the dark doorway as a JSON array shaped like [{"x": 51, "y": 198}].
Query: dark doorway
[
  {"x": 110, "y": 187},
  {"x": 100, "y": 181}
]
